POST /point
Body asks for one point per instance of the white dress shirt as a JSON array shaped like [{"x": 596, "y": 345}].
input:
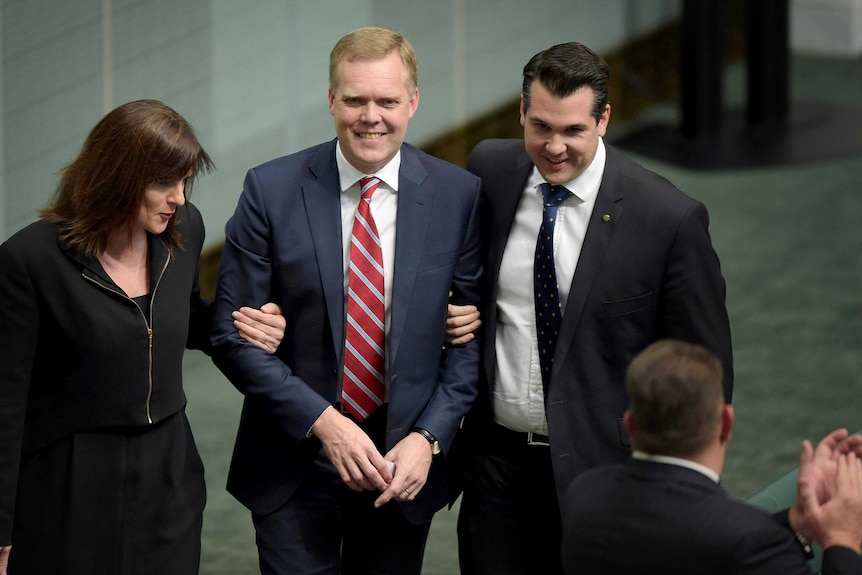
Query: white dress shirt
[
  {"x": 519, "y": 401},
  {"x": 384, "y": 210}
]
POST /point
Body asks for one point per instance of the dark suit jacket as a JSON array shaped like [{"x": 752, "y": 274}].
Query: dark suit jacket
[
  {"x": 645, "y": 518},
  {"x": 80, "y": 354},
  {"x": 284, "y": 244},
  {"x": 648, "y": 272}
]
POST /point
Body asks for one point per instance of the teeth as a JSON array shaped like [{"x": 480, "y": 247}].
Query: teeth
[{"x": 369, "y": 136}]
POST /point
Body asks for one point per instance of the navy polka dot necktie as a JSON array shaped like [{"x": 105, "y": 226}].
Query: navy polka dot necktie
[{"x": 547, "y": 292}]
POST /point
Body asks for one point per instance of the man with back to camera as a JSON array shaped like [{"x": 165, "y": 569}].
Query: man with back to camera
[
  {"x": 665, "y": 507},
  {"x": 624, "y": 259},
  {"x": 345, "y": 440}
]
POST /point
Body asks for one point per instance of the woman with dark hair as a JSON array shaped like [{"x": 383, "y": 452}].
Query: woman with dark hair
[{"x": 99, "y": 472}]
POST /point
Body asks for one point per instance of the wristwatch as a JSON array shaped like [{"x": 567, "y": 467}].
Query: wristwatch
[
  {"x": 805, "y": 544},
  {"x": 435, "y": 445}
]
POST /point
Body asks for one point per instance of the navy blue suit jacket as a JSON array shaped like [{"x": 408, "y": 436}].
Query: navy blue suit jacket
[
  {"x": 647, "y": 518},
  {"x": 284, "y": 244},
  {"x": 647, "y": 270}
]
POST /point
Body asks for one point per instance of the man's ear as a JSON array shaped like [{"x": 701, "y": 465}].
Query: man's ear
[
  {"x": 727, "y": 419},
  {"x": 522, "y": 112},
  {"x": 629, "y": 422}
]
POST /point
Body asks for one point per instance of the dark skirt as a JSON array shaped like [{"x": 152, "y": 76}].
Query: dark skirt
[{"x": 119, "y": 501}]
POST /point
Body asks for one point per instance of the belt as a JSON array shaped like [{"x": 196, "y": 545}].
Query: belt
[{"x": 518, "y": 437}]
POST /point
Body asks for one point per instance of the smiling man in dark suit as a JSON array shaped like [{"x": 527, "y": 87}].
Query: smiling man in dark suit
[
  {"x": 344, "y": 446},
  {"x": 625, "y": 258},
  {"x": 664, "y": 512}
]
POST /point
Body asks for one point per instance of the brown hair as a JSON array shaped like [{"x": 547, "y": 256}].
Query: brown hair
[
  {"x": 373, "y": 44},
  {"x": 676, "y": 395},
  {"x": 135, "y": 145}
]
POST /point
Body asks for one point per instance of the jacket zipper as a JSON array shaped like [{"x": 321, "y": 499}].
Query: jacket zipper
[
  {"x": 147, "y": 323},
  {"x": 150, "y": 332}
]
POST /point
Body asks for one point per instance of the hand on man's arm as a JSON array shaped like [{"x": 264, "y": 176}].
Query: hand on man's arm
[
  {"x": 461, "y": 323},
  {"x": 263, "y": 328}
]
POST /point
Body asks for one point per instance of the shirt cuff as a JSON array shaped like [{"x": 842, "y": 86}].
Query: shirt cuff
[{"x": 308, "y": 433}]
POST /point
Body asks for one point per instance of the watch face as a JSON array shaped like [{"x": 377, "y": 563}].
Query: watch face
[{"x": 435, "y": 445}]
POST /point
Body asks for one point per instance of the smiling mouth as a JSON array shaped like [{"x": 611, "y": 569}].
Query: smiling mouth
[{"x": 369, "y": 136}]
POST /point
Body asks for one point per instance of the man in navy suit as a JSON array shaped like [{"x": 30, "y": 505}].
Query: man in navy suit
[
  {"x": 332, "y": 489},
  {"x": 634, "y": 263},
  {"x": 664, "y": 512}
]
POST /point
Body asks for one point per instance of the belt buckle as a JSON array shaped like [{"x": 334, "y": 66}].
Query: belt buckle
[{"x": 531, "y": 441}]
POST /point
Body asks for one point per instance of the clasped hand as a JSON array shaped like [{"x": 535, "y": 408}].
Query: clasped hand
[{"x": 400, "y": 475}]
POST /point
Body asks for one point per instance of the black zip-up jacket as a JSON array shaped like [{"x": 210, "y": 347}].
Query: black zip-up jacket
[{"x": 78, "y": 354}]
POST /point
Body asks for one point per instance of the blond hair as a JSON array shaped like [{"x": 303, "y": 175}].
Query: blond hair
[{"x": 373, "y": 44}]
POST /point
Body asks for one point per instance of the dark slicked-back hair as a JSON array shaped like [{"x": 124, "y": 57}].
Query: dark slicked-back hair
[
  {"x": 135, "y": 145},
  {"x": 676, "y": 395},
  {"x": 566, "y": 68}
]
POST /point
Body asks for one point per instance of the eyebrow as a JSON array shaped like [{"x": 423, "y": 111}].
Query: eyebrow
[
  {"x": 539, "y": 120},
  {"x": 351, "y": 96}
]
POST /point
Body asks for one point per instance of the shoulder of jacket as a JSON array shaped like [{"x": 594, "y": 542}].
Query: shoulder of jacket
[{"x": 35, "y": 235}]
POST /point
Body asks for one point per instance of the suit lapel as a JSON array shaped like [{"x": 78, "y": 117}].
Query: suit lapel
[
  {"x": 321, "y": 194},
  {"x": 414, "y": 204},
  {"x": 502, "y": 195},
  {"x": 604, "y": 221},
  {"x": 504, "y": 203}
]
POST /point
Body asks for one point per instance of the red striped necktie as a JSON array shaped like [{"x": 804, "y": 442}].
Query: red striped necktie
[{"x": 363, "y": 387}]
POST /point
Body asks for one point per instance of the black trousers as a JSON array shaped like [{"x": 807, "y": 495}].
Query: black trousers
[{"x": 509, "y": 522}]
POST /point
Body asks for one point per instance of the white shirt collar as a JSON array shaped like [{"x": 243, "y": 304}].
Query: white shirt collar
[
  {"x": 677, "y": 461},
  {"x": 586, "y": 185},
  {"x": 348, "y": 174}
]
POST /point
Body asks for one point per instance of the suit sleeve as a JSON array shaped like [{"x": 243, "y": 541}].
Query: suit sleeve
[
  {"x": 246, "y": 278},
  {"x": 459, "y": 368},
  {"x": 840, "y": 561},
  {"x": 199, "y": 308},
  {"x": 692, "y": 306},
  {"x": 19, "y": 328}
]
